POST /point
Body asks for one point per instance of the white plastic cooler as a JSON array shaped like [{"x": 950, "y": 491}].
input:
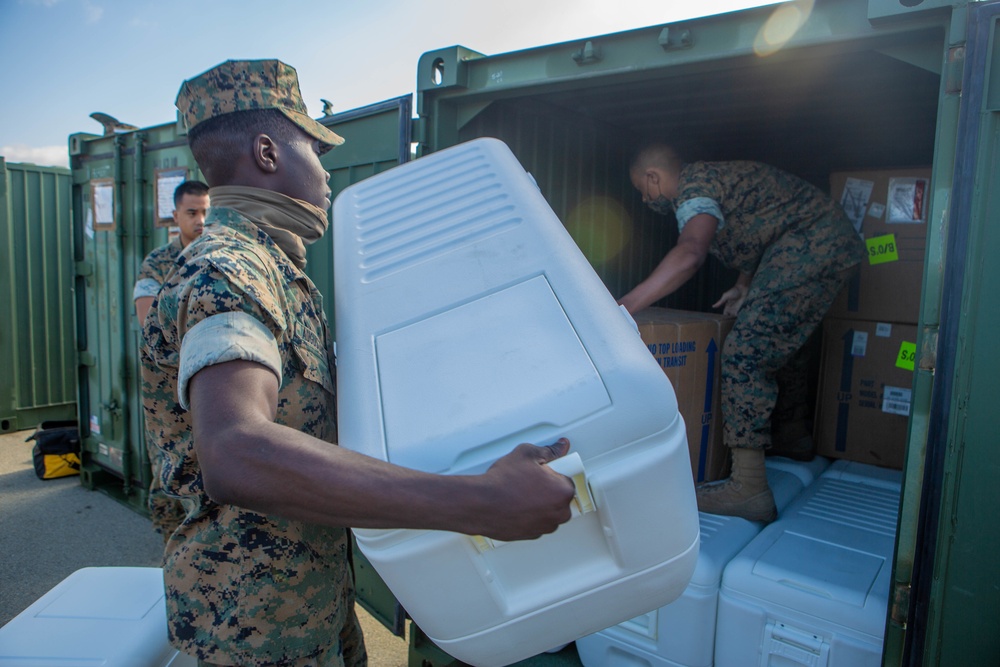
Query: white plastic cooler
[
  {"x": 682, "y": 633},
  {"x": 812, "y": 588},
  {"x": 468, "y": 321},
  {"x": 108, "y": 616}
]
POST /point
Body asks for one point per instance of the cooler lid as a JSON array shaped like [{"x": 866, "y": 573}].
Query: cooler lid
[
  {"x": 825, "y": 569},
  {"x": 480, "y": 369}
]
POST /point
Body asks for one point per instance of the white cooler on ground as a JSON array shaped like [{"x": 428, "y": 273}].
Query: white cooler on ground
[
  {"x": 812, "y": 588},
  {"x": 468, "y": 321},
  {"x": 682, "y": 633},
  {"x": 107, "y": 616},
  {"x": 806, "y": 471}
]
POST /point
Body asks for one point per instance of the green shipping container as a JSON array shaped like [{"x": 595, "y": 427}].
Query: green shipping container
[
  {"x": 813, "y": 88},
  {"x": 37, "y": 356},
  {"x": 122, "y": 206}
]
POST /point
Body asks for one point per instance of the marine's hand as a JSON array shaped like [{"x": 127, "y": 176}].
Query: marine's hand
[
  {"x": 732, "y": 299},
  {"x": 526, "y": 498}
]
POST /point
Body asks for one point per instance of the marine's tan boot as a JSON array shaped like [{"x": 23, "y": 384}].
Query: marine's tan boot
[{"x": 745, "y": 494}]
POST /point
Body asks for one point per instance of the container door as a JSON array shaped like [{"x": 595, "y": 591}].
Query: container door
[
  {"x": 36, "y": 297},
  {"x": 377, "y": 138},
  {"x": 102, "y": 252},
  {"x": 122, "y": 209},
  {"x": 945, "y": 614}
]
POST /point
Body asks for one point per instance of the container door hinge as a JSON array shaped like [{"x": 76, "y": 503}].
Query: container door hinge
[
  {"x": 418, "y": 130},
  {"x": 928, "y": 352},
  {"x": 954, "y": 69},
  {"x": 84, "y": 268},
  {"x": 673, "y": 39},
  {"x": 588, "y": 55},
  {"x": 900, "y": 605}
]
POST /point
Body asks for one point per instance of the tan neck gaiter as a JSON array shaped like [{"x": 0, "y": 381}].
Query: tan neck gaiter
[{"x": 291, "y": 223}]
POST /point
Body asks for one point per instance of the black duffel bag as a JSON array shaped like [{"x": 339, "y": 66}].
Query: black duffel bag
[{"x": 57, "y": 449}]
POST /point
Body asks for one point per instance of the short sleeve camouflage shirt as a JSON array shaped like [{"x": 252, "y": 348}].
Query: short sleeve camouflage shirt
[
  {"x": 242, "y": 587},
  {"x": 155, "y": 268},
  {"x": 759, "y": 204}
]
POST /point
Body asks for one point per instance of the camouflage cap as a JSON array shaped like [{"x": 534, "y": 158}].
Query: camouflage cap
[{"x": 244, "y": 85}]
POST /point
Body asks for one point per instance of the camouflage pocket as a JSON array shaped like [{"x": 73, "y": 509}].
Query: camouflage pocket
[{"x": 314, "y": 362}]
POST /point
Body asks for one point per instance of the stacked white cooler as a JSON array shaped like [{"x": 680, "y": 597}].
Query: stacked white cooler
[
  {"x": 468, "y": 321},
  {"x": 682, "y": 633},
  {"x": 805, "y": 471},
  {"x": 812, "y": 588},
  {"x": 109, "y": 616}
]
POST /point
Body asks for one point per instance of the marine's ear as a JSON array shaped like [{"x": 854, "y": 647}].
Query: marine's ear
[
  {"x": 653, "y": 176},
  {"x": 265, "y": 153}
]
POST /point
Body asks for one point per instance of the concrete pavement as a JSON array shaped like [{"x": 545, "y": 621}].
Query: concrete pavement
[{"x": 49, "y": 529}]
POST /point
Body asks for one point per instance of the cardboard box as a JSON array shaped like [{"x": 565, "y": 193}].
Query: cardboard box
[
  {"x": 865, "y": 384},
  {"x": 889, "y": 209},
  {"x": 688, "y": 346}
]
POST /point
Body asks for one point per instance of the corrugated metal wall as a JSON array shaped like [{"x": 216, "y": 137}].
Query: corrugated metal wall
[
  {"x": 37, "y": 358},
  {"x": 581, "y": 165},
  {"x": 122, "y": 200}
]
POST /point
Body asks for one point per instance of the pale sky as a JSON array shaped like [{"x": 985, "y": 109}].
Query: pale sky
[{"x": 64, "y": 59}]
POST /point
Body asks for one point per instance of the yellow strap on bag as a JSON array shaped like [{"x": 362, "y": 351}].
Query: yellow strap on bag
[
  {"x": 56, "y": 452},
  {"x": 59, "y": 465}
]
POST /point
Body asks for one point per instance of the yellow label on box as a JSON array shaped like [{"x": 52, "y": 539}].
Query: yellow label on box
[
  {"x": 907, "y": 356},
  {"x": 882, "y": 249}
]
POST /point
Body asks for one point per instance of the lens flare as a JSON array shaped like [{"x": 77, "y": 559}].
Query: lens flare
[
  {"x": 782, "y": 26},
  {"x": 601, "y": 228}
]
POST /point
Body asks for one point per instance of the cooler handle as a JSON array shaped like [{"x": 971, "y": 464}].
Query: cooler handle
[{"x": 570, "y": 465}]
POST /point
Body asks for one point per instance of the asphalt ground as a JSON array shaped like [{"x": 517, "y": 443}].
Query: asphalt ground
[{"x": 52, "y": 528}]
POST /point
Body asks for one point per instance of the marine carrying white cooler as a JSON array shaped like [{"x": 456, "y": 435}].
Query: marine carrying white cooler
[{"x": 468, "y": 321}]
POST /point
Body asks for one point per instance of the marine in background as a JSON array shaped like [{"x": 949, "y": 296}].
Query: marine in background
[
  {"x": 191, "y": 204},
  {"x": 794, "y": 249}
]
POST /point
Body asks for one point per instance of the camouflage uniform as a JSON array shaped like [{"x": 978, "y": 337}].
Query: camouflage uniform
[
  {"x": 801, "y": 249},
  {"x": 155, "y": 268},
  {"x": 165, "y": 512},
  {"x": 242, "y": 587}
]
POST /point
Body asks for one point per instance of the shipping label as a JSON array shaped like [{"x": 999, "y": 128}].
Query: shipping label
[
  {"x": 855, "y": 198},
  {"x": 859, "y": 344},
  {"x": 882, "y": 249},
  {"x": 907, "y": 200},
  {"x": 907, "y": 357},
  {"x": 896, "y": 401}
]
